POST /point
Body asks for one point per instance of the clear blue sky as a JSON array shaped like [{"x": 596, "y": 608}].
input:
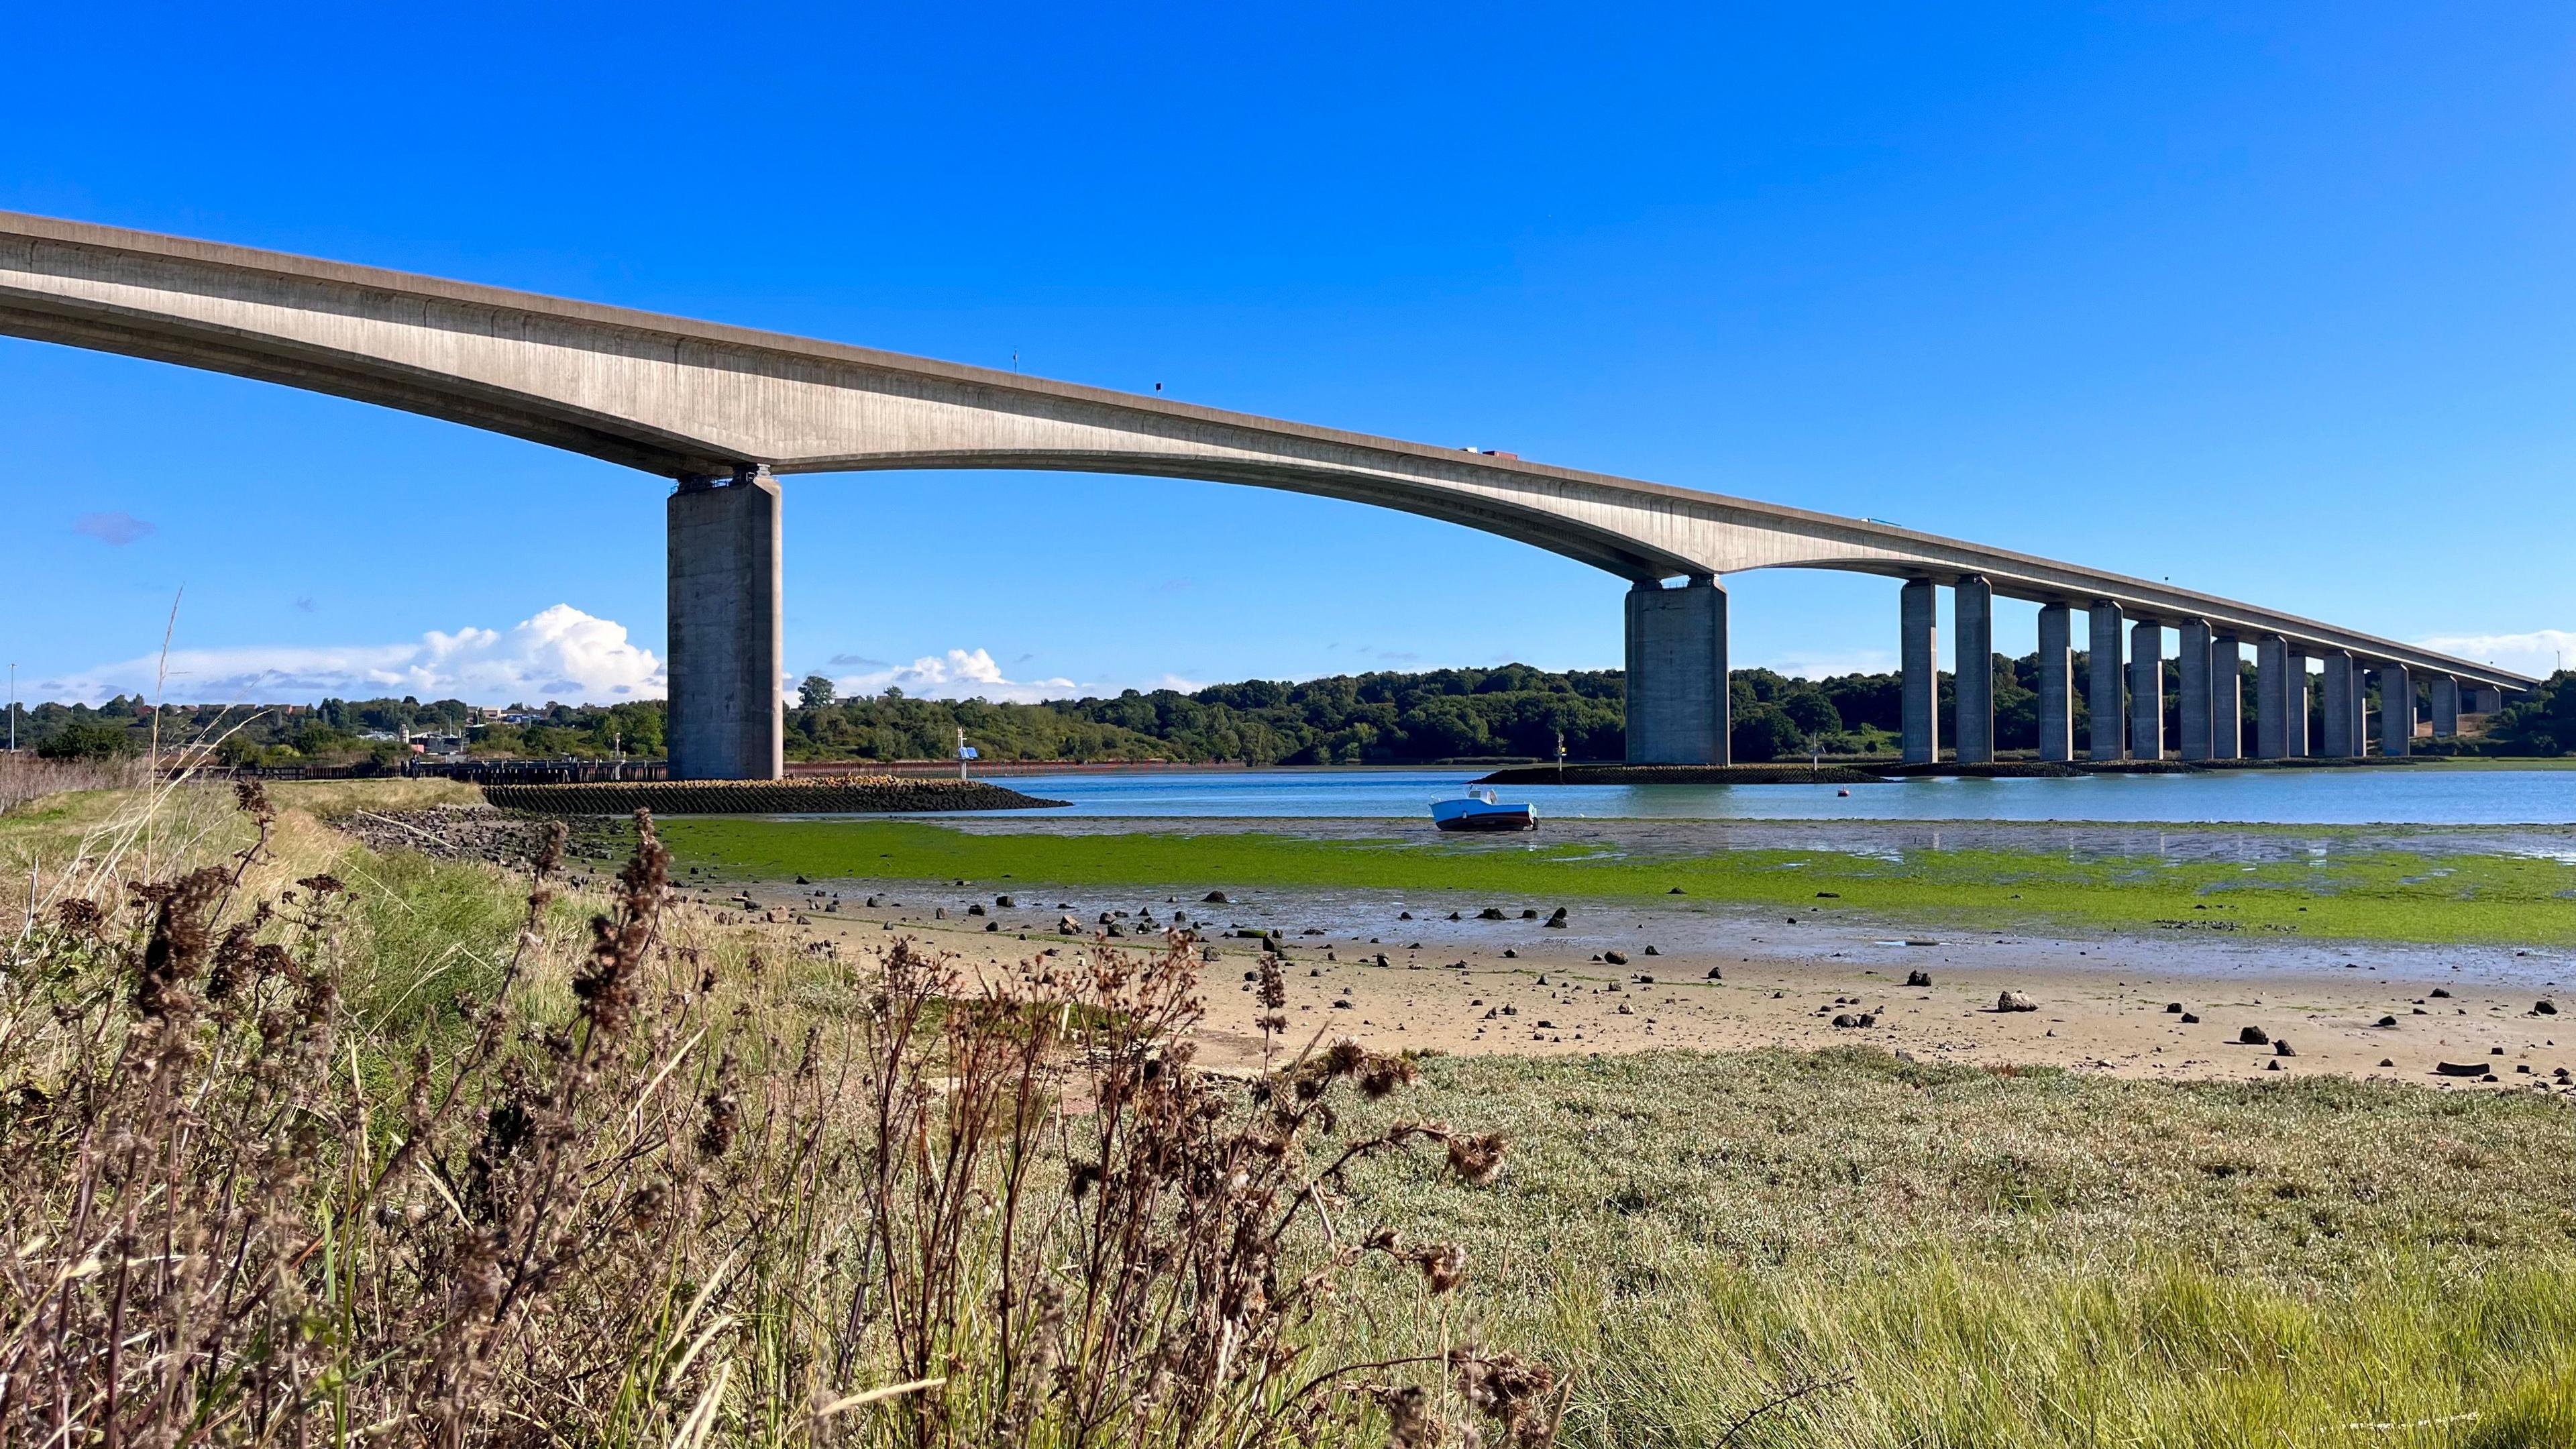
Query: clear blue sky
[{"x": 2273, "y": 301}]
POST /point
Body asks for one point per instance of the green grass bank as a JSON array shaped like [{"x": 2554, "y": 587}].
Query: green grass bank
[
  {"x": 2393, "y": 895},
  {"x": 1954, "y": 1256}
]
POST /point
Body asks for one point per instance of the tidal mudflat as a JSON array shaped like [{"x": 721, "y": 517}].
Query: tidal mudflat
[{"x": 2146, "y": 952}]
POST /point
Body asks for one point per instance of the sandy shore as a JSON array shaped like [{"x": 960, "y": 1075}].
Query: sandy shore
[{"x": 1721, "y": 979}]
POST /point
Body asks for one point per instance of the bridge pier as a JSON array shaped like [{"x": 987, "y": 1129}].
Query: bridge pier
[
  {"x": 2486, "y": 700},
  {"x": 1678, "y": 710},
  {"x": 2226, "y": 698},
  {"x": 2359, "y": 745},
  {"x": 2340, "y": 701},
  {"x": 2271, "y": 700},
  {"x": 727, "y": 643},
  {"x": 2056, "y": 683},
  {"x": 1973, "y": 601},
  {"x": 2102, "y": 699},
  {"x": 2446, "y": 707},
  {"x": 2196, "y": 657},
  {"x": 2147, "y": 690},
  {"x": 2396, "y": 710},
  {"x": 1919, "y": 667}
]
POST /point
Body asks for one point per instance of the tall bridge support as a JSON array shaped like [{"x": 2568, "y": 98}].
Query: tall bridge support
[
  {"x": 1919, "y": 668},
  {"x": 1678, "y": 709},
  {"x": 2226, "y": 698},
  {"x": 2271, "y": 698},
  {"x": 2193, "y": 730},
  {"x": 2102, "y": 699},
  {"x": 2056, "y": 683},
  {"x": 2446, "y": 707},
  {"x": 2147, "y": 690},
  {"x": 727, "y": 640},
  {"x": 2342, "y": 701},
  {"x": 2396, "y": 710},
  {"x": 1973, "y": 614}
]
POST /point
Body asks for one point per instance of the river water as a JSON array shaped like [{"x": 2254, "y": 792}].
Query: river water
[{"x": 2422, "y": 795}]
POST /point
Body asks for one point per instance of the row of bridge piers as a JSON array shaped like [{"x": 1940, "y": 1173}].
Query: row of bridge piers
[
  {"x": 727, "y": 654},
  {"x": 1678, "y": 704}
]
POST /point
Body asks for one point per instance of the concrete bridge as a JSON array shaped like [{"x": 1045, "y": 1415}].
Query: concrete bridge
[{"x": 725, "y": 411}]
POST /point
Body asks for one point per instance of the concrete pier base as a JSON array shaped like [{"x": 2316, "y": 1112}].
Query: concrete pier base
[
  {"x": 1678, "y": 710},
  {"x": 2396, "y": 710},
  {"x": 2340, "y": 702},
  {"x": 2193, "y": 728},
  {"x": 1973, "y": 614},
  {"x": 2056, "y": 683},
  {"x": 2446, "y": 707},
  {"x": 727, "y": 643},
  {"x": 1919, "y": 654},
  {"x": 2109, "y": 735},
  {"x": 2226, "y": 698},
  {"x": 2147, "y": 691}
]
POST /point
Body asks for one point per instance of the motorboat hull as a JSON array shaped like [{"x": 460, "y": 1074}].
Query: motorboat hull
[{"x": 1470, "y": 815}]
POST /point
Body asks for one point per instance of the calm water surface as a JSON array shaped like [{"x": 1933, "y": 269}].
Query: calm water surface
[{"x": 2426, "y": 795}]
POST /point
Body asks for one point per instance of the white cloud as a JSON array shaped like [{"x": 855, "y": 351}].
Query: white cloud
[
  {"x": 116, "y": 529},
  {"x": 2537, "y": 653},
  {"x": 562, "y": 654},
  {"x": 958, "y": 674},
  {"x": 1825, "y": 666}
]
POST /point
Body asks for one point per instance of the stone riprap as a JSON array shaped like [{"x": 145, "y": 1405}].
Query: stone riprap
[{"x": 822, "y": 795}]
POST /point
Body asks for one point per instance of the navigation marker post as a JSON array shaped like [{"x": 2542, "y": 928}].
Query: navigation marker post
[{"x": 965, "y": 752}]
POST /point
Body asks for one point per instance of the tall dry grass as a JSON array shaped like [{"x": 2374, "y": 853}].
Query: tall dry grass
[
  {"x": 600, "y": 1196},
  {"x": 26, "y": 776}
]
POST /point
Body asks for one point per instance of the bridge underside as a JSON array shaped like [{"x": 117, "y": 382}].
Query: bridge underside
[{"x": 724, "y": 410}]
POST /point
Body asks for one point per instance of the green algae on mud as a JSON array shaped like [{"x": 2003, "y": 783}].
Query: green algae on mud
[{"x": 2389, "y": 895}]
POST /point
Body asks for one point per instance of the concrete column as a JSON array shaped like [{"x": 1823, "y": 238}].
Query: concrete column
[
  {"x": 1920, "y": 655},
  {"x": 2271, "y": 665},
  {"x": 2226, "y": 698},
  {"x": 2056, "y": 684},
  {"x": 2196, "y": 655},
  {"x": 2396, "y": 710},
  {"x": 2484, "y": 700},
  {"x": 2294, "y": 718},
  {"x": 2147, "y": 690},
  {"x": 1974, "y": 617},
  {"x": 2357, "y": 744},
  {"x": 1678, "y": 709},
  {"x": 2103, "y": 697},
  {"x": 2338, "y": 702},
  {"x": 727, "y": 645},
  {"x": 2446, "y": 707}
]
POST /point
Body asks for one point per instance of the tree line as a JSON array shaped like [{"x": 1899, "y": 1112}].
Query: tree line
[{"x": 1512, "y": 711}]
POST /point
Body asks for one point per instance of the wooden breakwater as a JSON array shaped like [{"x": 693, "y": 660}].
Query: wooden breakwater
[{"x": 825, "y": 795}]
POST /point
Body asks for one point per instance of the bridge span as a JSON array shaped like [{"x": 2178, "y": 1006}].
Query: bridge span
[{"x": 725, "y": 411}]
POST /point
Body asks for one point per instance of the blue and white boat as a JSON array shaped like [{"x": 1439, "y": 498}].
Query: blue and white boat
[{"x": 1479, "y": 810}]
